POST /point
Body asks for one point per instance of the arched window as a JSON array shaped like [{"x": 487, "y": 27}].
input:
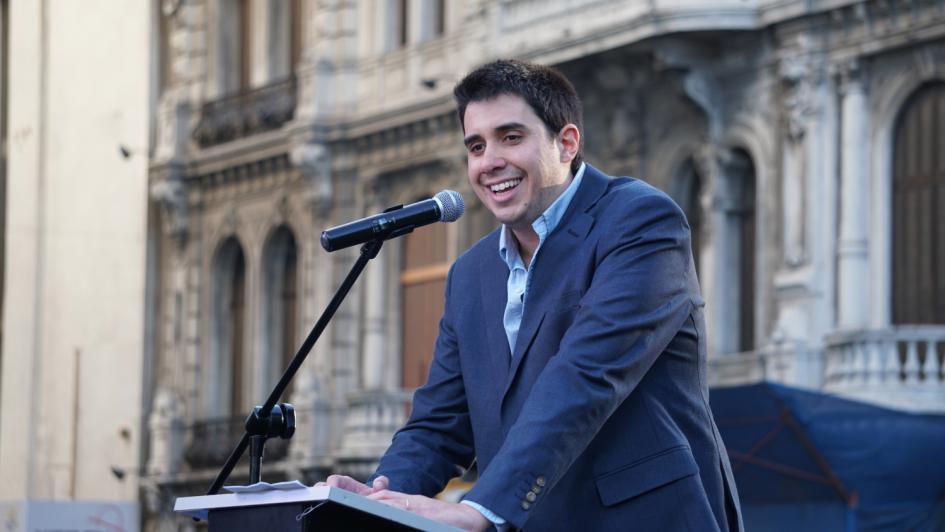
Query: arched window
[
  {"x": 228, "y": 321},
  {"x": 280, "y": 303},
  {"x": 918, "y": 201},
  {"x": 741, "y": 173},
  {"x": 423, "y": 278}
]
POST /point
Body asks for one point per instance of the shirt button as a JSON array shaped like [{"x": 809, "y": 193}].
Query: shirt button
[
  {"x": 526, "y": 505},
  {"x": 540, "y": 481},
  {"x": 531, "y": 496}
]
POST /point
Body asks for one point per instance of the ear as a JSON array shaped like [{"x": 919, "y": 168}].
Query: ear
[{"x": 569, "y": 141}]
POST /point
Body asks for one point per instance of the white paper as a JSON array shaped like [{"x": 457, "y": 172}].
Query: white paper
[{"x": 265, "y": 486}]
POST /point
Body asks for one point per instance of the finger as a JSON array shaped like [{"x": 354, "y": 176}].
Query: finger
[
  {"x": 380, "y": 483},
  {"x": 348, "y": 484},
  {"x": 382, "y": 495}
]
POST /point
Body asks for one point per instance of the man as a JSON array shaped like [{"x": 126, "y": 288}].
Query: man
[{"x": 570, "y": 363}]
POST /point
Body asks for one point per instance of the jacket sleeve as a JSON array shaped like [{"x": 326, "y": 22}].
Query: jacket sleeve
[
  {"x": 424, "y": 454},
  {"x": 638, "y": 298}
]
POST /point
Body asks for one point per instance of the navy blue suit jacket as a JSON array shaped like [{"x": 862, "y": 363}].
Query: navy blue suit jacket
[{"x": 600, "y": 419}]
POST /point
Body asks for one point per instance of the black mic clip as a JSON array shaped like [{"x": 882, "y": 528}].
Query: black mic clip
[{"x": 372, "y": 247}]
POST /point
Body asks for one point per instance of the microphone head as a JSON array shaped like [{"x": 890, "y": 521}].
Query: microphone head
[{"x": 451, "y": 205}]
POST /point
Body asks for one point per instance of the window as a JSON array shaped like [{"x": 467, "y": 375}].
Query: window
[
  {"x": 226, "y": 375},
  {"x": 396, "y": 25},
  {"x": 743, "y": 191},
  {"x": 918, "y": 201},
  {"x": 284, "y": 38},
  {"x": 423, "y": 278},
  {"x": 280, "y": 296},
  {"x": 233, "y": 43},
  {"x": 434, "y": 19}
]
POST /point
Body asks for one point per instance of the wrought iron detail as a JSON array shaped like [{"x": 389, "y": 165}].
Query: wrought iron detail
[
  {"x": 246, "y": 113},
  {"x": 210, "y": 442}
]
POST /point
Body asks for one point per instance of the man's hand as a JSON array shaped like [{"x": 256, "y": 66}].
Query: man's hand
[
  {"x": 455, "y": 514},
  {"x": 349, "y": 484}
]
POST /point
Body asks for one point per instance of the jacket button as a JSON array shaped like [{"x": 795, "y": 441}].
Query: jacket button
[
  {"x": 540, "y": 481},
  {"x": 526, "y": 505},
  {"x": 530, "y": 496},
  {"x": 536, "y": 489}
]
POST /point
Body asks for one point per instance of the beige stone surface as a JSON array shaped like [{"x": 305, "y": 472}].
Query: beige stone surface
[{"x": 76, "y": 232}]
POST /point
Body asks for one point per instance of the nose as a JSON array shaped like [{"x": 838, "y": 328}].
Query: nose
[{"x": 492, "y": 159}]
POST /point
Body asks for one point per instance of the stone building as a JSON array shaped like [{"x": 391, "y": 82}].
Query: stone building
[
  {"x": 803, "y": 139},
  {"x": 74, "y": 130}
]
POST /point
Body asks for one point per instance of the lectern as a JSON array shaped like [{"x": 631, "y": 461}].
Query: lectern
[{"x": 310, "y": 509}]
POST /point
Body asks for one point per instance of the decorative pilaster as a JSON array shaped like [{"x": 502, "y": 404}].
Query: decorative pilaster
[
  {"x": 376, "y": 347},
  {"x": 853, "y": 245},
  {"x": 805, "y": 280},
  {"x": 797, "y": 80}
]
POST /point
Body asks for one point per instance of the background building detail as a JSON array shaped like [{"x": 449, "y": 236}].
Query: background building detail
[{"x": 803, "y": 139}]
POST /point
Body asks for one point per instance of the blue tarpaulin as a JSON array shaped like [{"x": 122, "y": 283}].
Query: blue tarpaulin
[{"x": 809, "y": 461}]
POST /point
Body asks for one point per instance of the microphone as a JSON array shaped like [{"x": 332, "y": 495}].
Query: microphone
[{"x": 446, "y": 206}]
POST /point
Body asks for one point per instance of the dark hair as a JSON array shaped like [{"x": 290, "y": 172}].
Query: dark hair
[{"x": 546, "y": 90}]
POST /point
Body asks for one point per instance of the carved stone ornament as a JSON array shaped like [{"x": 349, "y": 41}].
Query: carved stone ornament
[
  {"x": 315, "y": 164},
  {"x": 801, "y": 74},
  {"x": 169, "y": 8},
  {"x": 171, "y": 195},
  {"x": 796, "y": 76},
  {"x": 850, "y": 75}
]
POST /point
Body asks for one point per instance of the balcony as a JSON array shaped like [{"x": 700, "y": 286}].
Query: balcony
[
  {"x": 246, "y": 113},
  {"x": 790, "y": 363},
  {"x": 210, "y": 442},
  {"x": 900, "y": 367}
]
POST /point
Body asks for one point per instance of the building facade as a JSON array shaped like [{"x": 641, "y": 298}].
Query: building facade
[
  {"x": 74, "y": 130},
  {"x": 803, "y": 139}
]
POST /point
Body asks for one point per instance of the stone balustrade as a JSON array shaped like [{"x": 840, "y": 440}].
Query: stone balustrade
[
  {"x": 789, "y": 363},
  {"x": 371, "y": 419},
  {"x": 899, "y": 367}
]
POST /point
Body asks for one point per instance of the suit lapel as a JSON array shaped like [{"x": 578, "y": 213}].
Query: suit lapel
[
  {"x": 492, "y": 271},
  {"x": 552, "y": 263}
]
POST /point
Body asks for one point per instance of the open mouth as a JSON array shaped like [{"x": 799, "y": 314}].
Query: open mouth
[{"x": 504, "y": 186}]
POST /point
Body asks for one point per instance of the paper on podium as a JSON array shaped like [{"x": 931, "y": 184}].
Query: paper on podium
[
  {"x": 201, "y": 506},
  {"x": 265, "y": 486}
]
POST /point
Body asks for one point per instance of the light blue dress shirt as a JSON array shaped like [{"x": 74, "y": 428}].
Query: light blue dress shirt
[
  {"x": 520, "y": 277},
  {"x": 518, "y": 284}
]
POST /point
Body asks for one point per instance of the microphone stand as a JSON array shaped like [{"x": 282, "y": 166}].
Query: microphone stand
[{"x": 279, "y": 420}]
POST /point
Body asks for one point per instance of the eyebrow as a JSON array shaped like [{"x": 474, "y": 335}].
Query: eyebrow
[{"x": 509, "y": 126}]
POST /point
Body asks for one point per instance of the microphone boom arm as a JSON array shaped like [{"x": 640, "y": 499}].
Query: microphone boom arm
[{"x": 259, "y": 416}]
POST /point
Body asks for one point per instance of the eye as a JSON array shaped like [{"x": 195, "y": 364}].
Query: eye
[
  {"x": 475, "y": 147},
  {"x": 512, "y": 137}
]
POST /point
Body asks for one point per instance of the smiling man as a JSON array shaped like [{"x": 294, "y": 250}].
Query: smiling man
[{"x": 570, "y": 363}]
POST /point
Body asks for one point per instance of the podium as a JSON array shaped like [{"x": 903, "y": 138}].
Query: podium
[{"x": 310, "y": 509}]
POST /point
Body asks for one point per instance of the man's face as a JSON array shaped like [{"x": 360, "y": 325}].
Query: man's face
[{"x": 515, "y": 166}]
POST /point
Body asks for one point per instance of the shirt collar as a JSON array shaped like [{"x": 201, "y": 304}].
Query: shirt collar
[{"x": 545, "y": 223}]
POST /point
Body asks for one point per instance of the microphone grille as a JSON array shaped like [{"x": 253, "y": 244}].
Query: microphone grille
[{"x": 451, "y": 205}]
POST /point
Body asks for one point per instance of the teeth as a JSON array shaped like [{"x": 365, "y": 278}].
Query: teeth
[{"x": 505, "y": 185}]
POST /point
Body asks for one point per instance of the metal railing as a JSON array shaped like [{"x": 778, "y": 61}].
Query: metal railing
[{"x": 246, "y": 113}]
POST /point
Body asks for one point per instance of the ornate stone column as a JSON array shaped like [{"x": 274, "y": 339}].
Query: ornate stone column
[
  {"x": 853, "y": 245},
  {"x": 804, "y": 282}
]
